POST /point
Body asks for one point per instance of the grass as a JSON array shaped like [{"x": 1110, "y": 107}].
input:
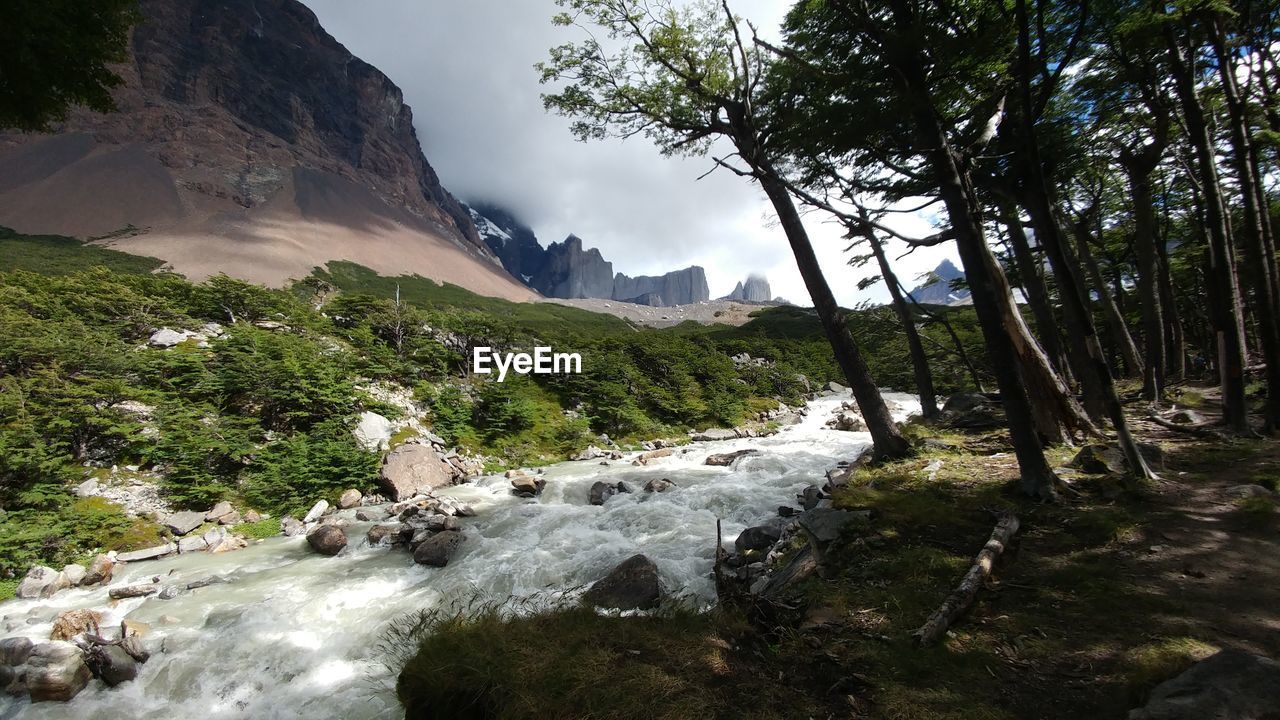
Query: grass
[
  {"x": 260, "y": 530},
  {"x": 1151, "y": 663},
  {"x": 8, "y": 589},
  {"x": 61, "y": 255}
]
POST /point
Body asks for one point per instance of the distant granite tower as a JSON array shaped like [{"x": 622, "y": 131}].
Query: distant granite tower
[{"x": 756, "y": 289}]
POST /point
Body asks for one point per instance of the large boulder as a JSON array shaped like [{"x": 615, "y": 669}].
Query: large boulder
[
  {"x": 527, "y": 486},
  {"x": 633, "y": 585},
  {"x": 41, "y": 582},
  {"x": 181, "y": 523},
  {"x": 316, "y": 512},
  {"x": 14, "y": 651},
  {"x": 99, "y": 572},
  {"x": 290, "y": 527},
  {"x": 714, "y": 434},
  {"x": 378, "y": 533},
  {"x": 373, "y": 432},
  {"x": 151, "y": 553},
  {"x": 972, "y": 410},
  {"x": 327, "y": 539},
  {"x": 1230, "y": 685},
  {"x": 437, "y": 549},
  {"x": 71, "y": 623},
  {"x": 602, "y": 491},
  {"x": 167, "y": 338},
  {"x": 221, "y": 509},
  {"x": 659, "y": 485},
  {"x": 653, "y": 455},
  {"x": 112, "y": 664},
  {"x": 413, "y": 469},
  {"x": 56, "y": 671},
  {"x": 1102, "y": 459},
  {"x": 349, "y": 499},
  {"x": 760, "y": 538},
  {"x": 75, "y": 574},
  {"x": 828, "y": 524},
  {"x": 727, "y": 459}
]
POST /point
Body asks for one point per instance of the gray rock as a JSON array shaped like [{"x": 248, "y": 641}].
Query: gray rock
[
  {"x": 167, "y": 338},
  {"x": 810, "y": 497},
  {"x": 1187, "y": 417},
  {"x": 715, "y": 434},
  {"x": 727, "y": 459},
  {"x": 150, "y": 553},
  {"x": 761, "y": 537},
  {"x": 56, "y": 671},
  {"x": 290, "y": 527},
  {"x": 231, "y": 518},
  {"x": 379, "y": 533},
  {"x": 1230, "y": 685},
  {"x": 316, "y": 512},
  {"x": 659, "y": 485},
  {"x": 192, "y": 544},
  {"x": 371, "y": 515},
  {"x": 253, "y": 516},
  {"x": 14, "y": 651},
  {"x": 591, "y": 453},
  {"x": 181, "y": 523},
  {"x": 219, "y": 510},
  {"x": 111, "y": 664},
  {"x": 327, "y": 539},
  {"x": 827, "y": 524},
  {"x": 86, "y": 489},
  {"x": 169, "y": 592},
  {"x": 1099, "y": 458},
  {"x": 75, "y": 574},
  {"x": 632, "y": 585},
  {"x": 1249, "y": 491},
  {"x": 350, "y": 498},
  {"x": 8, "y": 678},
  {"x": 41, "y": 582},
  {"x": 413, "y": 469},
  {"x": 645, "y": 458},
  {"x": 373, "y": 432},
  {"x": 601, "y": 491},
  {"x": 438, "y": 549},
  {"x": 526, "y": 486},
  {"x": 133, "y": 591}
]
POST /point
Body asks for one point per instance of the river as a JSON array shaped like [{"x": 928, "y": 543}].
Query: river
[{"x": 293, "y": 634}]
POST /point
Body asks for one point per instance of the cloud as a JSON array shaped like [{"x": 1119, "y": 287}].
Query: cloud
[{"x": 466, "y": 69}]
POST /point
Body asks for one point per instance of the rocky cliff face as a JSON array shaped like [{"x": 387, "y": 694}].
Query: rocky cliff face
[
  {"x": 679, "y": 287},
  {"x": 566, "y": 270},
  {"x": 572, "y": 272},
  {"x": 755, "y": 289},
  {"x": 248, "y": 140}
]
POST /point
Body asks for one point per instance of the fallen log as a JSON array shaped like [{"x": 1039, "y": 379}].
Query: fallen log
[
  {"x": 962, "y": 597},
  {"x": 1197, "y": 430}
]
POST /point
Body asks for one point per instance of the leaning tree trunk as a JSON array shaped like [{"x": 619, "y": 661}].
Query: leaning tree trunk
[
  {"x": 1110, "y": 310},
  {"x": 986, "y": 282},
  {"x": 887, "y": 440},
  {"x": 1068, "y": 285},
  {"x": 919, "y": 360},
  {"x": 1255, "y": 231},
  {"x": 1037, "y": 290},
  {"x": 1224, "y": 294}
]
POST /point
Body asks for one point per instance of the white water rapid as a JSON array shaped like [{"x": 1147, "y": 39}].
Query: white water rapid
[{"x": 294, "y": 634}]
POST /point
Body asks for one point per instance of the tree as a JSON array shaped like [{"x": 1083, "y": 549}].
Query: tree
[
  {"x": 57, "y": 53},
  {"x": 685, "y": 77}
]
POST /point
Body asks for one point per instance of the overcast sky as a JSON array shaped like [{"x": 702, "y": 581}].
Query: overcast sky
[{"x": 466, "y": 68}]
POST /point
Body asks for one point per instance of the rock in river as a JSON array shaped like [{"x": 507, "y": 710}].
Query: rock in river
[
  {"x": 438, "y": 548},
  {"x": 413, "y": 469},
  {"x": 727, "y": 459},
  {"x": 56, "y": 671},
  {"x": 182, "y": 523},
  {"x": 327, "y": 539},
  {"x": 633, "y": 585}
]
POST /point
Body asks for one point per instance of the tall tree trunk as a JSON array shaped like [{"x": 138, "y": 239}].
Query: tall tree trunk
[
  {"x": 1037, "y": 291},
  {"x": 1254, "y": 232},
  {"x": 1138, "y": 167},
  {"x": 919, "y": 360},
  {"x": 1224, "y": 295},
  {"x": 1176, "y": 349},
  {"x": 1110, "y": 311},
  {"x": 886, "y": 438},
  {"x": 986, "y": 281},
  {"x": 1068, "y": 285}
]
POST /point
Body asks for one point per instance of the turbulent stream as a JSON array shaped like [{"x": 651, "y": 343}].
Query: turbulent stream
[{"x": 293, "y": 634}]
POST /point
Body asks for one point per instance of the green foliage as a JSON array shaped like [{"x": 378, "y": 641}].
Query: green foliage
[
  {"x": 261, "y": 530},
  {"x": 450, "y": 412},
  {"x": 504, "y": 408},
  {"x": 58, "y": 53},
  {"x": 291, "y": 473},
  {"x": 60, "y": 255},
  {"x": 69, "y": 533}
]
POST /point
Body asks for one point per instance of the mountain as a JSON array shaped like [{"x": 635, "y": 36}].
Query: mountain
[
  {"x": 248, "y": 141},
  {"x": 756, "y": 289},
  {"x": 570, "y": 271},
  {"x": 936, "y": 289},
  {"x": 679, "y": 287}
]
